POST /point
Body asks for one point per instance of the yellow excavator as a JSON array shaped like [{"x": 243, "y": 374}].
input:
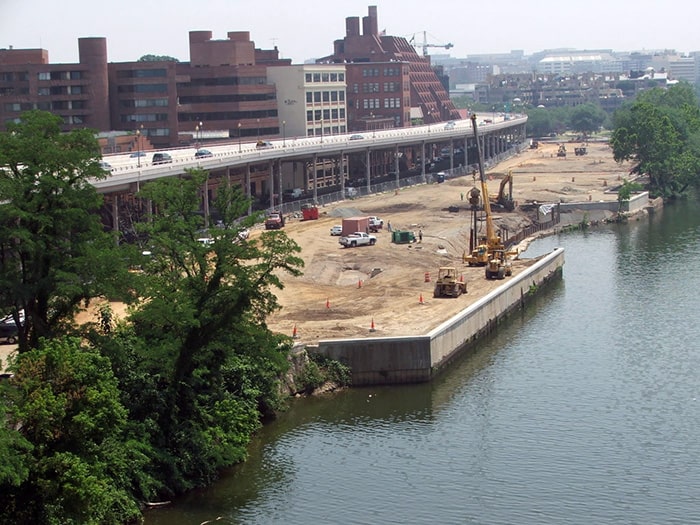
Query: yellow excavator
[{"x": 490, "y": 251}]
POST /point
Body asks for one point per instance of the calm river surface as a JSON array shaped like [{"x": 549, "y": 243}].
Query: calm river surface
[{"x": 583, "y": 409}]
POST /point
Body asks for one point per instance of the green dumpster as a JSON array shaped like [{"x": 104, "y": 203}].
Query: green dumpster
[{"x": 402, "y": 237}]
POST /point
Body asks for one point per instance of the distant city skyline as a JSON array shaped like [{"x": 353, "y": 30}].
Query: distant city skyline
[{"x": 306, "y": 29}]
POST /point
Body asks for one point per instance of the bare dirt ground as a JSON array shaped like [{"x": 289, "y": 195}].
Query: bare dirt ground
[{"x": 345, "y": 290}]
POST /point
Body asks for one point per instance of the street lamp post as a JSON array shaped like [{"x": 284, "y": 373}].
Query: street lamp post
[
  {"x": 239, "y": 137},
  {"x": 284, "y": 133}
]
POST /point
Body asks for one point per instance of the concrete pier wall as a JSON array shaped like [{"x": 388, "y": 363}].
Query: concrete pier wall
[{"x": 412, "y": 359}]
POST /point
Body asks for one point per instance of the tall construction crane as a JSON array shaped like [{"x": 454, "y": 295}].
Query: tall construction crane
[
  {"x": 425, "y": 44},
  {"x": 491, "y": 251}
]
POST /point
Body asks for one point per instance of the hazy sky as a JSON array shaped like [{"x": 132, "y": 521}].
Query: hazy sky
[{"x": 304, "y": 29}]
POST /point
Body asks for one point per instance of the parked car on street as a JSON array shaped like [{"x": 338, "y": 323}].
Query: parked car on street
[{"x": 8, "y": 328}]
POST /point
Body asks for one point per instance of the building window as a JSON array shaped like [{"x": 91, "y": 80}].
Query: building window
[
  {"x": 309, "y": 97},
  {"x": 45, "y": 76},
  {"x": 326, "y": 96},
  {"x": 325, "y": 77},
  {"x": 309, "y": 116},
  {"x": 317, "y": 77},
  {"x": 307, "y": 77},
  {"x": 317, "y": 96},
  {"x": 334, "y": 77}
]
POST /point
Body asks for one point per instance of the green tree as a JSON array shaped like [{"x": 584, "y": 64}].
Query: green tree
[
  {"x": 64, "y": 401},
  {"x": 660, "y": 134},
  {"x": 586, "y": 119},
  {"x": 54, "y": 254},
  {"x": 201, "y": 329},
  {"x": 157, "y": 58},
  {"x": 539, "y": 122}
]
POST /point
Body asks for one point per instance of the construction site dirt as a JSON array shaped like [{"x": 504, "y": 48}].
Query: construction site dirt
[{"x": 387, "y": 289}]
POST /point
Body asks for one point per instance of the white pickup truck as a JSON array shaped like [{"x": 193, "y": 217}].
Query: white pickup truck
[{"x": 357, "y": 239}]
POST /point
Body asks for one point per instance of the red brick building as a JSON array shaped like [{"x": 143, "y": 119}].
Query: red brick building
[{"x": 389, "y": 84}]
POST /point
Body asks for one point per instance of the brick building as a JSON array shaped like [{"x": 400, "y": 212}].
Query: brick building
[{"x": 389, "y": 84}]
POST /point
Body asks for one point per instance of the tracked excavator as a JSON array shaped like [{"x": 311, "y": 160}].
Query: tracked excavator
[{"x": 490, "y": 252}]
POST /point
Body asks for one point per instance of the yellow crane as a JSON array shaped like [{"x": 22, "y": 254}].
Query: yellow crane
[{"x": 491, "y": 251}]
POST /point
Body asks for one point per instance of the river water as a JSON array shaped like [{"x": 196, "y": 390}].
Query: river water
[{"x": 582, "y": 409}]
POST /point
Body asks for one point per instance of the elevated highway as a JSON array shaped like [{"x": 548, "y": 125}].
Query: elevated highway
[{"x": 265, "y": 172}]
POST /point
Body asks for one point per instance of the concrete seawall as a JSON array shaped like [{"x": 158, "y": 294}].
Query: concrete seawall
[{"x": 413, "y": 359}]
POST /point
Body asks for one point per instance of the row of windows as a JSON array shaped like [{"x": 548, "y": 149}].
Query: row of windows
[
  {"x": 373, "y": 87},
  {"x": 227, "y": 115},
  {"x": 143, "y": 88},
  {"x": 225, "y": 99},
  {"x": 144, "y": 117},
  {"x": 324, "y": 96},
  {"x": 141, "y": 73},
  {"x": 324, "y": 77},
  {"x": 60, "y": 90},
  {"x": 14, "y": 76},
  {"x": 60, "y": 75},
  {"x": 376, "y": 103},
  {"x": 46, "y": 106},
  {"x": 224, "y": 81},
  {"x": 325, "y": 114},
  {"x": 327, "y": 130}
]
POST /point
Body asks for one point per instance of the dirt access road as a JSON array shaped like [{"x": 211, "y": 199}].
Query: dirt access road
[{"x": 344, "y": 291}]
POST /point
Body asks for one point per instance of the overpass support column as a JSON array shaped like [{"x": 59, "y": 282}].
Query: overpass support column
[
  {"x": 341, "y": 173},
  {"x": 270, "y": 167},
  {"x": 314, "y": 167},
  {"x": 368, "y": 170},
  {"x": 115, "y": 215},
  {"x": 247, "y": 189},
  {"x": 279, "y": 180},
  {"x": 422, "y": 161},
  {"x": 396, "y": 164}
]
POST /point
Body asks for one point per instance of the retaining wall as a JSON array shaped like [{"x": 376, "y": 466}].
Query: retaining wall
[{"x": 412, "y": 359}]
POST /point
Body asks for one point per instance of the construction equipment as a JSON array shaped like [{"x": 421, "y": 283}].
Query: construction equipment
[
  {"x": 503, "y": 200},
  {"x": 499, "y": 266},
  {"x": 447, "y": 284},
  {"x": 491, "y": 251},
  {"x": 561, "y": 152},
  {"x": 425, "y": 44}
]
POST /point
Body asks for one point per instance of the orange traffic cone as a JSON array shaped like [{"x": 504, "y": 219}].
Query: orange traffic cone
[
  {"x": 371, "y": 328},
  {"x": 359, "y": 283},
  {"x": 461, "y": 278},
  {"x": 294, "y": 332},
  {"x": 328, "y": 303},
  {"x": 420, "y": 300}
]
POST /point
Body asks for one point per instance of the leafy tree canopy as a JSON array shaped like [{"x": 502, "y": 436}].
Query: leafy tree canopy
[
  {"x": 54, "y": 254},
  {"x": 660, "y": 134},
  {"x": 157, "y": 58}
]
